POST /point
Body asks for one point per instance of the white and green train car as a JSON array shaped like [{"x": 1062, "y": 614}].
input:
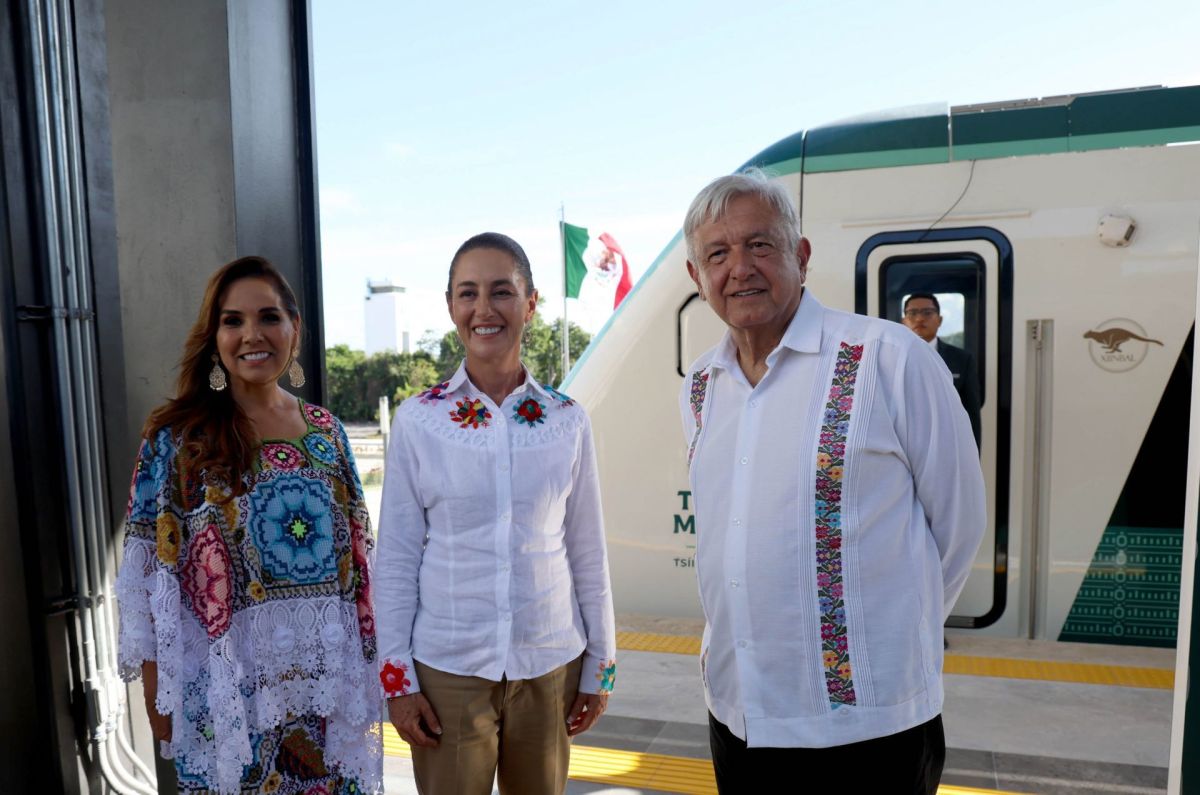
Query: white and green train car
[{"x": 1062, "y": 237}]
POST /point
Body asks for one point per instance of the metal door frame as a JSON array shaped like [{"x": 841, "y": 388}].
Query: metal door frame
[{"x": 1004, "y": 258}]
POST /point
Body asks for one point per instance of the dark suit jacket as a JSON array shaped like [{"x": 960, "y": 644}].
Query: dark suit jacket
[{"x": 966, "y": 381}]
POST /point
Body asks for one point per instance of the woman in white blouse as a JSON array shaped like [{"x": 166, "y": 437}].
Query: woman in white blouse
[{"x": 493, "y": 604}]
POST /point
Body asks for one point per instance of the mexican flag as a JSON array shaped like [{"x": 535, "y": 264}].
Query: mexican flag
[{"x": 602, "y": 256}]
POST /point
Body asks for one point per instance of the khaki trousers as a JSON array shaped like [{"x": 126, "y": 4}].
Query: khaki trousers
[{"x": 511, "y": 731}]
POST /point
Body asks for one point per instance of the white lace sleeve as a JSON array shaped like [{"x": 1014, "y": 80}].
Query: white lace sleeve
[
  {"x": 151, "y": 533},
  {"x": 136, "y": 635}
]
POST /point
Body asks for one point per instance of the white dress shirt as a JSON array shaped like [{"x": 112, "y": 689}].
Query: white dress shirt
[
  {"x": 491, "y": 559},
  {"x": 839, "y": 504}
]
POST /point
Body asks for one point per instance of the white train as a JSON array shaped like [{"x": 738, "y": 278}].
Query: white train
[{"x": 1062, "y": 236}]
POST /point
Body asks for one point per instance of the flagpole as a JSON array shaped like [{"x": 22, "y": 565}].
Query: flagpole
[{"x": 562, "y": 247}]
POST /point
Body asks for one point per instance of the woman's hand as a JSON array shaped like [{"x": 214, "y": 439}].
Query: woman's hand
[
  {"x": 160, "y": 725},
  {"x": 586, "y": 710},
  {"x": 408, "y": 713}
]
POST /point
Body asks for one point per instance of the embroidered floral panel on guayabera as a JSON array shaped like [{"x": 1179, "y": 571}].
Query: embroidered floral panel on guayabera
[
  {"x": 699, "y": 388},
  {"x": 831, "y": 458}
]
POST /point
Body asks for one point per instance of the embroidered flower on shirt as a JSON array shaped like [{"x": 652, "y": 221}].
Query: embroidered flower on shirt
[
  {"x": 831, "y": 451},
  {"x": 318, "y": 417},
  {"x": 395, "y": 679},
  {"x": 300, "y": 754},
  {"x": 293, "y": 530},
  {"x": 607, "y": 676},
  {"x": 205, "y": 578},
  {"x": 529, "y": 412},
  {"x": 281, "y": 456},
  {"x": 696, "y": 398},
  {"x": 148, "y": 474},
  {"x": 563, "y": 400},
  {"x": 321, "y": 448},
  {"x": 168, "y": 538},
  {"x": 434, "y": 393},
  {"x": 470, "y": 413}
]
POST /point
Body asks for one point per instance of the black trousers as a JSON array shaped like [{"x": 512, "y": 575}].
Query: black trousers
[{"x": 909, "y": 762}]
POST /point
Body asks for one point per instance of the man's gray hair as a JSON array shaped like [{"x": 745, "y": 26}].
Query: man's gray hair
[{"x": 712, "y": 203}]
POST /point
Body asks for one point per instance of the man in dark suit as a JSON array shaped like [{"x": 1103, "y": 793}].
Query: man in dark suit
[{"x": 923, "y": 314}]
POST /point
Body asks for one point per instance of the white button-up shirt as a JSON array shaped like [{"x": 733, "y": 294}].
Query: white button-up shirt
[
  {"x": 491, "y": 559},
  {"x": 839, "y": 504}
]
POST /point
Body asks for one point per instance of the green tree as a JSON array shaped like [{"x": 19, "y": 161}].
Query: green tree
[
  {"x": 430, "y": 342},
  {"x": 419, "y": 372},
  {"x": 543, "y": 348},
  {"x": 450, "y": 354},
  {"x": 356, "y": 381},
  {"x": 342, "y": 374}
]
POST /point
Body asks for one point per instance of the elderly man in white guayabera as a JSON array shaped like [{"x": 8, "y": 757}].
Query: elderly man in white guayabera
[{"x": 839, "y": 503}]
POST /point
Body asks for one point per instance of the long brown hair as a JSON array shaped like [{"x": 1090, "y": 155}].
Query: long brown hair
[{"x": 216, "y": 435}]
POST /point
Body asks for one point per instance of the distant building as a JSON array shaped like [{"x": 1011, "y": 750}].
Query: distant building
[{"x": 387, "y": 318}]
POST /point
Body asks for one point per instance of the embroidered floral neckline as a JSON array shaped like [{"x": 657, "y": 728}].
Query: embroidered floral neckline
[
  {"x": 472, "y": 413},
  {"x": 315, "y": 419}
]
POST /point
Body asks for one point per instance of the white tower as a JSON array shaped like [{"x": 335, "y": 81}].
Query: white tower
[{"x": 386, "y": 318}]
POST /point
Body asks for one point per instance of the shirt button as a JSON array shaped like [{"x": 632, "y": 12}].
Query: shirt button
[
  {"x": 734, "y": 582},
  {"x": 745, "y": 460},
  {"x": 737, "y": 522},
  {"x": 505, "y": 567},
  {"x": 742, "y": 644},
  {"x": 504, "y": 516},
  {"x": 504, "y": 467},
  {"x": 753, "y": 403}
]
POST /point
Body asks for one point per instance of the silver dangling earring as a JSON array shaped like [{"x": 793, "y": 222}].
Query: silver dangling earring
[
  {"x": 216, "y": 376},
  {"x": 295, "y": 374}
]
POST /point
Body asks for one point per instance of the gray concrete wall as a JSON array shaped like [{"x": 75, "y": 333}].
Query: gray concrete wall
[{"x": 173, "y": 165}]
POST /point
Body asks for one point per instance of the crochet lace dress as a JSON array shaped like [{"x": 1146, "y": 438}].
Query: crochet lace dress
[{"x": 257, "y": 610}]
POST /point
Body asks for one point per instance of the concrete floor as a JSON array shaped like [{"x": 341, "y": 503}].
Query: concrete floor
[{"x": 1008, "y": 734}]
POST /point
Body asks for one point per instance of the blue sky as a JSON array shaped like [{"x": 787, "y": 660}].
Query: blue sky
[{"x": 437, "y": 121}]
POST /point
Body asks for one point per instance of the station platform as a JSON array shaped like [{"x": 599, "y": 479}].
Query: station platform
[{"x": 1020, "y": 717}]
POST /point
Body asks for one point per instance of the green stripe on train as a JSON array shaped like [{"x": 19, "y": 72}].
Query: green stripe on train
[{"x": 1130, "y": 594}]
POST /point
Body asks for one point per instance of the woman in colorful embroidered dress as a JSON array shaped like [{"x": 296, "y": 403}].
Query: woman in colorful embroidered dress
[
  {"x": 495, "y": 611},
  {"x": 244, "y": 593}
]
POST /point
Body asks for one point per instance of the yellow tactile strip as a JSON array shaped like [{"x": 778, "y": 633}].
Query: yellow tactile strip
[
  {"x": 643, "y": 771},
  {"x": 648, "y": 641},
  {"x": 1005, "y": 667},
  {"x": 1051, "y": 671}
]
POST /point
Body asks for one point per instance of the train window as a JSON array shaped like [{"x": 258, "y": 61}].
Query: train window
[{"x": 957, "y": 280}]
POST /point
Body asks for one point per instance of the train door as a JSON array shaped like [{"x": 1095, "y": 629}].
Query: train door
[{"x": 969, "y": 270}]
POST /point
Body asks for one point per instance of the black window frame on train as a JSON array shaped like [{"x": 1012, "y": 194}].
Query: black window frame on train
[
  {"x": 1003, "y": 364},
  {"x": 961, "y": 272}
]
